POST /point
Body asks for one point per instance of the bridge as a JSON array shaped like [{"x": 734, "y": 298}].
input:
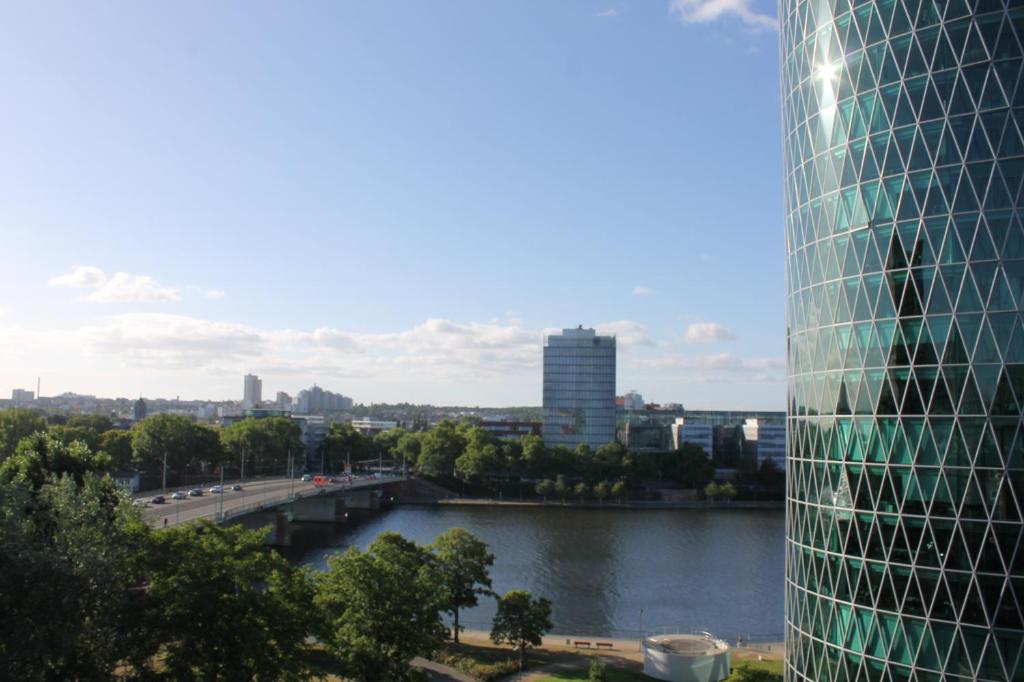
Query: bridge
[{"x": 299, "y": 500}]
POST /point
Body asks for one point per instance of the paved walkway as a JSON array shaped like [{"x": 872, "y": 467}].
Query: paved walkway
[{"x": 441, "y": 672}]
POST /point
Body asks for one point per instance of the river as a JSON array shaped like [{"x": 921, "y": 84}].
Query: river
[{"x": 608, "y": 572}]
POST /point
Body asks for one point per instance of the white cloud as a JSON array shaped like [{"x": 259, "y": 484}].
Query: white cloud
[
  {"x": 608, "y": 12},
  {"x": 216, "y": 293},
  {"x": 627, "y": 333},
  {"x": 708, "y": 332},
  {"x": 707, "y": 257},
  {"x": 706, "y": 11},
  {"x": 718, "y": 368},
  {"x": 640, "y": 290},
  {"x": 121, "y": 287}
]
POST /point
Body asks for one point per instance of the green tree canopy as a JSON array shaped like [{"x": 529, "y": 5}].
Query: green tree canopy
[
  {"x": 117, "y": 443},
  {"x": 343, "y": 445},
  {"x": 41, "y": 458},
  {"x": 602, "y": 490},
  {"x": 545, "y": 488},
  {"x": 536, "y": 457},
  {"x": 711, "y": 490},
  {"x": 692, "y": 468},
  {"x": 227, "y": 606},
  {"x": 521, "y": 621},
  {"x": 482, "y": 455},
  {"x": 382, "y": 608},
  {"x": 69, "y": 609},
  {"x": 581, "y": 490},
  {"x": 463, "y": 561},
  {"x": 439, "y": 448},
  {"x": 619, "y": 490},
  {"x": 265, "y": 445},
  {"x": 727, "y": 490},
  {"x": 177, "y": 438},
  {"x": 561, "y": 486},
  {"x": 17, "y": 423},
  {"x": 97, "y": 423}
]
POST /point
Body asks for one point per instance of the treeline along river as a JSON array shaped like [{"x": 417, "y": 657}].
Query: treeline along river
[{"x": 610, "y": 572}]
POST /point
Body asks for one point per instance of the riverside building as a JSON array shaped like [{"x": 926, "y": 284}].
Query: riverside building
[
  {"x": 904, "y": 159},
  {"x": 579, "y": 388}
]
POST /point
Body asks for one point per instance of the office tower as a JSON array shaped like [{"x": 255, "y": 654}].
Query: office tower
[
  {"x": 579, "y": 388},
  {"x": 139, "y": 410},
  {"x": 902, "y": 137},
  {"x": 253, "y": 392}
]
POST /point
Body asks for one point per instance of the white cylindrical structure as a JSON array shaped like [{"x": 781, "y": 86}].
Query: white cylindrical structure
[{"x": 686, "y": 658}]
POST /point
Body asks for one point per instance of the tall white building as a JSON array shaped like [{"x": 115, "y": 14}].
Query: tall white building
[
  {"x": 579, "y": 388},
  {"x": 252, "y": 395},
  {"x": 684, "y": 431}
]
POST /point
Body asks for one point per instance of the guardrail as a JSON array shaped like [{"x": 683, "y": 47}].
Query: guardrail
[{"x": 262, "y": 505}]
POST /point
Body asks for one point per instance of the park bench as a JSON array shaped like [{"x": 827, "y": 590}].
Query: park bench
[
  {"x": 579, "y": 644},
  {"x": 604, "y": 645}
]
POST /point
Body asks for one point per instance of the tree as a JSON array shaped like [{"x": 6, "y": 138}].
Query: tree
[
  {"x": 727, "y": 490},
  {"x": 711, "y": 490},
  {"x": 439, "y": 448},
  {"x": 97, "y": 423},
  {"x": 602, "y": 490},
  {"x": 609, "y": 460},
  {"x": 521, "y": 621},
  {"x": 15, "y": 424},
  {"x": 176, "y": 440},
  {"x": 41, "y": 458},
  {"x": 409, "y": 449},
  {"x": 227, "y": 606},
  {"x": 463, "y": 561},
  {"x": 580, "y": 490},
  {"x": 598, "y": 671},
  {"x": 344, "y": 445},
  {"x": 561, "y": 486},
  {"x": 692, "y": 467},
  {"x": 118, "y": 444},
  {"x": 386, "y": 442},
  {"x": 619, "y": 491},
  {"x": 536, "y": 457},
  {"x": 68, "y": 569},
  {"x": 545, "y": 488},
  {"x": 381, "y": 607},
  {"x": 265, "y": 445}
]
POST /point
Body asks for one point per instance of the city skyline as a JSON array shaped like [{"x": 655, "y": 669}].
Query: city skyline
[{"x": 391, "y": 201}]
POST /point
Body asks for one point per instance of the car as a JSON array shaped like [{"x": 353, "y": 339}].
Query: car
[
  {"x": 236, "y": 487},
  {"x": 140, "y": 502},
  {"x": 157, "y": 499},
  {"x": 195, "y": 492},
  {"x": 217, "y": 489},
  {"x": 307, "y": 477},
  {"x": 179, "y": 495}
]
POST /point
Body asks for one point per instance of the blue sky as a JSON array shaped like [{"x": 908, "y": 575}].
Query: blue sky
[{"x": 393, "y": 199}]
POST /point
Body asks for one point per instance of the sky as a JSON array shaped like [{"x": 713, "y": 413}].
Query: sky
[{"x": 395, "y": 200}]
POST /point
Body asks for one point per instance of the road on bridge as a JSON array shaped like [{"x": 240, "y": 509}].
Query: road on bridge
[{"x": 172, "y": 512}]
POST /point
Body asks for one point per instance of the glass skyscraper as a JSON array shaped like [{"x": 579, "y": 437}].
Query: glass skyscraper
[
  {"x": 579, "y": 388},
  {"x": 904, "y": 156}
]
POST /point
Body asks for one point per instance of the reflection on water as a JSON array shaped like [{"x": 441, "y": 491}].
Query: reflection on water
[{"x": 716, "y": 569}]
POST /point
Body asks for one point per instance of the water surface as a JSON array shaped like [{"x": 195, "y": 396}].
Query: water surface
[{"x": 607, "y": 572}]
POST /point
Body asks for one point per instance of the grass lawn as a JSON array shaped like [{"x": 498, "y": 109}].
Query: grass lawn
[{"x": 774, "y": 667}]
